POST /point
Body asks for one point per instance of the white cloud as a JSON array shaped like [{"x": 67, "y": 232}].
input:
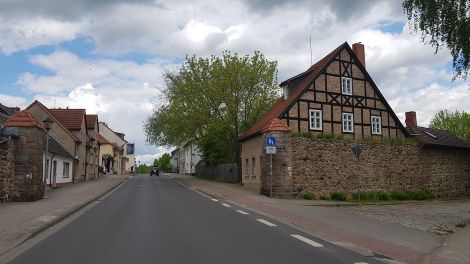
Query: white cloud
[
  {"x": 122, "y": 92},
  {"x": 26, "y": 33},
  {"x": 11, "y": 101}
]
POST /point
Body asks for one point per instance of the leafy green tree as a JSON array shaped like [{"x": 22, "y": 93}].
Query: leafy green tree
[
  {"x": 213, "y": 100},
  {"x": 445, "y": 22},
  {"x": 163, "y": 162},
  {"x": 458, "y": 123}
]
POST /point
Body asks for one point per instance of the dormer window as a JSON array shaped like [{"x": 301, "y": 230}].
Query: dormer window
[{"x": 346, "y": 85}]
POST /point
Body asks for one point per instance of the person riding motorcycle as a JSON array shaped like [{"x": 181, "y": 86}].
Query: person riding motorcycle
[{"x": 155, "y": 171}]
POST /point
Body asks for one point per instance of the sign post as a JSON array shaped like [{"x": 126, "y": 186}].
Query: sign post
[
  {"x": 271, "y": 150},
  {"x": 357, "y": 152}
]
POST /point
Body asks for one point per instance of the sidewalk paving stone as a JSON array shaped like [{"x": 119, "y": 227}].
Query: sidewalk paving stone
[{"x": 22, "y": 220}]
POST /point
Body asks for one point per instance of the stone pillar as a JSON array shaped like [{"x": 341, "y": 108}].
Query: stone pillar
[
  {"x": 28, "y": 164},
  {"x": 282, "y": 167}
]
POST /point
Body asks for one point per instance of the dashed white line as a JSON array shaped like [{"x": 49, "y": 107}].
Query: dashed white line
[
  {"x": 226, "y": 205},
  {"x": 266, "y": 222},
  {"x": 308, "y": 241},
  {"x": 360, "y": 263},
  {"x": 242, "y": 212},
  {"x": 215, "y": 200}
]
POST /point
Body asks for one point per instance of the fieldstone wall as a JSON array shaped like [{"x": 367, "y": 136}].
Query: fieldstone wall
[
  {"x": 21, "y": 166},
  {"x": 28, "y": 168},
  {"x": 282, "y": 184},
  {"x": 321, "y": 167},
  {"x": 6, "y": 169}
]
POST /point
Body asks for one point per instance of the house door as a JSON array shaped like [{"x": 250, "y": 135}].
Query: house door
[{"x": 54, "y": 173}]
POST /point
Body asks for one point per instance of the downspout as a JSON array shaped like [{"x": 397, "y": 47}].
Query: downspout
[{"x": 50, "y": 171}]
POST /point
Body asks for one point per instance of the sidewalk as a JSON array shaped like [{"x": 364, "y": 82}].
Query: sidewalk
[
  {"x": 357, "y": 232},
  {"x": 22, "y": 220}
]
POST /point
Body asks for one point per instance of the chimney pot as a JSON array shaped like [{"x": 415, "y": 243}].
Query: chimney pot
[
  {"x": 410, "y": 119},
  {"x": 358, "y": 49}
]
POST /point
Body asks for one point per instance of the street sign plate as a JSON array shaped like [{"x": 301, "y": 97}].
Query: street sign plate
[
  {"x": 357, "y": 151},
  {"x": 270, "y": 150},
  {"x": 270, "y": 141}
]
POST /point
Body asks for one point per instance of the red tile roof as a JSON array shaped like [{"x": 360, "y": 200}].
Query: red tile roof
[
  {"x": 276, "y": 125},
  {"x": 23, "y": 119},
  {"x": 102, "y": 140},
  {"x": 91, "y": 121},
  {"x": 301, "y": 82},
  {"x": 70, "y": 118},
  {"x": 47, "y": 111}
]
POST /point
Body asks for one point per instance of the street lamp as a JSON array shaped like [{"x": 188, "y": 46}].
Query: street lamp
[{"x": 47, "y": 122}]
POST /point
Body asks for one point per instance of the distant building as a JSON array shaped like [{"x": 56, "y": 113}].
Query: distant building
[{"x": 118, "y": 143}]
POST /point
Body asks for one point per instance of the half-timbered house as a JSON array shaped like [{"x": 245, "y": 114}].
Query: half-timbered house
[{"x": 337, "y": 98}]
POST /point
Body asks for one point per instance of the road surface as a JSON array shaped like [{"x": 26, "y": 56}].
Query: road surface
[{"x": 157, "y": 220}]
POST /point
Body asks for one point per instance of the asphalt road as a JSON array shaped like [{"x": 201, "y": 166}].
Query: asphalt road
[{"x": 157, "y": 220}]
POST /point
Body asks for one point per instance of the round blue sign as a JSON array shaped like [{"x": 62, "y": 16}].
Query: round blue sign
[{"x": 270, "y": 141}]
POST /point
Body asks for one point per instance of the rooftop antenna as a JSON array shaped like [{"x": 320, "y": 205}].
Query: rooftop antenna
[{"x": 311, "y": 55}]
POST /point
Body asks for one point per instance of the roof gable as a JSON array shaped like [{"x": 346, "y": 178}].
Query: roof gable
[
  {"x": 46, "y": 110},
  {"x": 299, "y": 84},
  {"x": 23, "y": 119}
]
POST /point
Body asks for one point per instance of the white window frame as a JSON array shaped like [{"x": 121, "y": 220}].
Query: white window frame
[
  {"x": 348, "y": 122},
  {"x": 346, "y": 85},
  {"x": 315, "y": 122},
  {"x": 376, "y": 125},
  {"x": 64, "y": 175}
]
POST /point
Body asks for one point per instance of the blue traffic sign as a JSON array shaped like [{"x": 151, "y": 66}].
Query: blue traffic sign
[{"x": 271, "y": 141}]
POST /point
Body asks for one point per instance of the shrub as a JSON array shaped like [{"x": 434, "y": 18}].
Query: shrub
[
  {"x": 307, "y": 196},
  {"x": 398, "y": 195},
  {"x": 338, "y": 196},
  {"x": 384, "y": 196},
  {"x": 326, "y": 198}
]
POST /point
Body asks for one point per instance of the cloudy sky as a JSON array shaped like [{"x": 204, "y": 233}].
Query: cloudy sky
[{"x": 108, "y": 56}]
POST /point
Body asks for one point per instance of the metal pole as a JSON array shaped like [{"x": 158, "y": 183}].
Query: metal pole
[
  {"x": 271, "y": 173},
  {"x": 47, "y": 164}
]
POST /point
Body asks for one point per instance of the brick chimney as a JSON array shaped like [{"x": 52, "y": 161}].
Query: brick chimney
[
  {"x": 358, "y": 49},
  {"x": 410, "y": 119}
]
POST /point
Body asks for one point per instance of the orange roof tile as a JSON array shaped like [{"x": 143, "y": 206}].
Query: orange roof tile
[
  {"x": 91, "y": 121},
  {"x": 47, "y": 111},
  {"x": 276, "y": 125},
  {"x": 300, "y": 81},
  {"x": 23, "y": 119},
  {"x": 102, "y": 140},
  {"x": 70, "y": 118}
]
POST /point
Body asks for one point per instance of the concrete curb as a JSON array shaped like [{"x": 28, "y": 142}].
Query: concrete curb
[{"x": 60, "y": 218}]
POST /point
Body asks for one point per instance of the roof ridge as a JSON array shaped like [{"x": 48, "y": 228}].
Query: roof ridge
[{"x": 53, "y": 117}]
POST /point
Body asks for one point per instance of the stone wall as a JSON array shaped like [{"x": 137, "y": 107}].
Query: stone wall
[
  {"x": 6, "y": 169},
  {"x": 321, "y": 167},
  {"x": 282, "y": 167}
]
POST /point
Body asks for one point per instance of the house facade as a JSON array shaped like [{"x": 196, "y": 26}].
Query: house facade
[
  {"x": 62, "y": 135},
  {"x": 93, "y": 149},
  {"x": 337, "y": 105},
  {"x": 118, "y": 143},
  {"x": 60, "y": 162},
  {"x": 75, "y": 121}
]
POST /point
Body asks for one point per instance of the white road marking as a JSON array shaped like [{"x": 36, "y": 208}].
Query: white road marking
[
  {"x": 242, "y": 212},
  {"x": 226, "y": 205},
  {"x": 308, "y": 241},
  {"x": 215, "y": 200},
  {"x": 266, "y": 222},
  {"x": 360, "y": 263}
]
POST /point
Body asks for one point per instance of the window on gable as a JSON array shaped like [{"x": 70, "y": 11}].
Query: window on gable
[
  {"x": 346, "y": 85},
  {"x": 348, "y": 122},
  {"x": 376, "y": 125},
  {"x": 315, "y": 119}
]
